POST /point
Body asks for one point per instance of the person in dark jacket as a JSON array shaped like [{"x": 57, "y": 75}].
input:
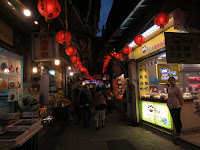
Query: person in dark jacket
[
  {"x": 76, "y": 103},
  {"x": 85, "y": 106}
]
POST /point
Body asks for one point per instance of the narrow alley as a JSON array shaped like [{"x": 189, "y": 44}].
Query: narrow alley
[{"x": 117, "y": 134}]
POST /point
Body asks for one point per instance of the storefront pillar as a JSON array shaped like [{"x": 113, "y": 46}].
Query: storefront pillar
[{"x": 132, "y": 94}]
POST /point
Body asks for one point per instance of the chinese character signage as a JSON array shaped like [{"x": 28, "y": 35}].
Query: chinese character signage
[
  {"x": 182, "y": 48},
  {"x": 164, "y": 71},
  {"x": 143, "y": 79},
  {"x": 11, "y": 75},
  {"x": 157, "y": 113},
  {"x": 153, "y": 45},
  {"x": 44, "y": 46}
]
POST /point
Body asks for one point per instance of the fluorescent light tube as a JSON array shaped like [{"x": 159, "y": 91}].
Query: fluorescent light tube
[{"x": 150, "y": 30}]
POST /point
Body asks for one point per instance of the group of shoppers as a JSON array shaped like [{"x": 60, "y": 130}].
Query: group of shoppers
[{"x": 87, "y": 101}]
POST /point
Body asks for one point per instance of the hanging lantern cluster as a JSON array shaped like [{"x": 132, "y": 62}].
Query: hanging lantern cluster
[
  {"x": 106, "y": 62},
  {"x": 161, "y": 19},
  {"x": 63, "y": 37},
  {"x": 72, "y": 52},
  {"x": 49, "y": 9},
  {"x": 139, "y": 39}
]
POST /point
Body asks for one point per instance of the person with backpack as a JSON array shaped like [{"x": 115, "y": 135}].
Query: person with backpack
[{"x": 85, "y": 106}]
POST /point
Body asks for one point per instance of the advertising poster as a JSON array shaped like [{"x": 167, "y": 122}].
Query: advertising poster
[
  {"x": 18, "y": 82},
  {"x": 11, "y": 82},
  {"x": 30, "y": 100},
  {"x": 13, "y": 95},
  {"x": 18, "y": 67},
  {"x": 11, "y": 74},
  {"x": 3, "y": 64},
  {"x": 157, "y": 113},
  {"x": 11, "y": 65},
  {"x": 3, "y": 85},
  {"x": 164, "y": 71}
]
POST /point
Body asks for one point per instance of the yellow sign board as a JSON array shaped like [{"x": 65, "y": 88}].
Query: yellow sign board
[
  {"x": 152, "y": 45},
  {"x": 143, "y": 79},
  {"x": 164, "y": 71}
]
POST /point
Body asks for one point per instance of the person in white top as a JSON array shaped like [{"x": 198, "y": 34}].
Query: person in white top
[{"x": 175, "y": 101}]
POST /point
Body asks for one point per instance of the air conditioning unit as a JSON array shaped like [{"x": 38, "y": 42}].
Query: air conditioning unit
[{"x": 189, "y": 67}]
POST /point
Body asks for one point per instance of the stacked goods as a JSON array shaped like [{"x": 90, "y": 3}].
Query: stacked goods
[
  {"x": 12, "y": 136},
  {"x": 29, "y": 124}
]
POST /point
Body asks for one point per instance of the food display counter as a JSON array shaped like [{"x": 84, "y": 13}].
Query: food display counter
[{"x": 156, "y": 112}]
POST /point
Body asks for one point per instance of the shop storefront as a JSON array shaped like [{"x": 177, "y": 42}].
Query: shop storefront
[{"x": 153, "y": 74}]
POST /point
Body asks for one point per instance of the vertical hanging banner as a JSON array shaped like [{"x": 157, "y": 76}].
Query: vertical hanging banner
[
  {"x": 11, "y": 75},
  {"x": 44, "y": 46}
]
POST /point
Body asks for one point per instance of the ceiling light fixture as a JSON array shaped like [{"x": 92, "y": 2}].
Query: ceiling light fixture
[
  {"x": 9, "y": 3},
  {"x": 27, "y": 12},
  {"x": 35, "y": 70},
  {"x": 57, "y": 62}
]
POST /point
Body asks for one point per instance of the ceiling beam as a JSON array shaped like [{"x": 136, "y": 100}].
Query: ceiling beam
[
  {"x": 88, "y": 12},
  {"x": 79, "y": 17}
]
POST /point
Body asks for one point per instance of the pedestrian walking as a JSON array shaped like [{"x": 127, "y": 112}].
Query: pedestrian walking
[{"x": 100, "y": 104}]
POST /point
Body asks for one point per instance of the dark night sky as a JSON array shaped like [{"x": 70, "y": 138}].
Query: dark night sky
[{"x": 105, "y": 9}]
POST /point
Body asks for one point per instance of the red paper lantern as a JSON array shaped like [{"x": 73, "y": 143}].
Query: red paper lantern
[
  {"x": 127, "y": 50},
  {"x": 161, "y": 19},
  {"x": 139, "y": 39},
  {"x": 107, "y": 60},
  {"x": 113, "y": 54},
  {"x": 108, "y": 57},
  {"x": 63, "y": 37},
  {"x": 49, "y": 9},
  {"x": 71, "y": 50},
  {"x": 105, "y": 64},
  {"x": 118, "y": 55},
  {"x": 83, "y": 69},
  {"x": 79, "y": 64},
  {"x": 75, "y": 58}
]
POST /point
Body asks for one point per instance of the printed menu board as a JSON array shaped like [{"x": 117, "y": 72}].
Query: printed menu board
[
  {"x": 157, "y": 113},
  {"x": 11, "y": 75},
  {"x": 182, "y": 47},
  {"x": 164, "y": 71}
]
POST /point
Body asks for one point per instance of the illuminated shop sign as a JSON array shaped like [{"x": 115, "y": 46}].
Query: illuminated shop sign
[
  {"x": 150, "y": 46},
  {"x": 157, "y": 113},
  {"x": 164, "y": 71},
  {"x": 153, "y": 47}
]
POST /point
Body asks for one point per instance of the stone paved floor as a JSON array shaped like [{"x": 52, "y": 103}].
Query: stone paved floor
[{"x": 69, "y": 136}]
